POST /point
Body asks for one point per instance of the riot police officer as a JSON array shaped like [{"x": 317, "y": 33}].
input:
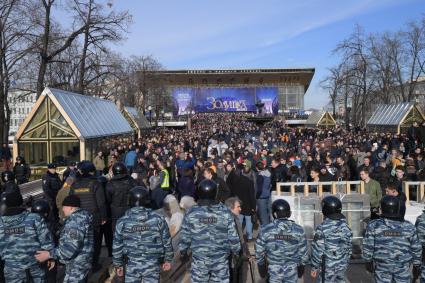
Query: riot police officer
[
  {"x": 9, "y": 185},
  {"x": 209, "y": 231},
  {"x": 142, "y": 237},
  {"x": 283, "y": 245},
  {"x": 420, "y": 228},
  {"x": 42, "y": 208},
  {"x": 117, "y": 190},
  {"x": 391, "y": 244},
  {"x": 21, "y": 234},
  {"x": 92, "y": 195},
  {"x": 51, "y": 186},
  {"x": 331, "y": 247},
  {"x": 75, "y": 248}
]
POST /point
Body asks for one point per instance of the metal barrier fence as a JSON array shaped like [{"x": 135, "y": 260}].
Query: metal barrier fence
[
  {"x": 305, "y": 198},
  {"x": 317, "y": 188}
]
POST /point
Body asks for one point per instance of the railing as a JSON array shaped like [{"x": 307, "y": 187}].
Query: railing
[
  {"x": 33, "y": 188},
  {"x": 337, "y": 186},
  {"x": 38, "y": 171},
  {"x": 419, "y": 187}
]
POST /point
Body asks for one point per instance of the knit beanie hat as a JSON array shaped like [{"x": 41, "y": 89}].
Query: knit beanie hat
[{"x": 72, "y": 201}]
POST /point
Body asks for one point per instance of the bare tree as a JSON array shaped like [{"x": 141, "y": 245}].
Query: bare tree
[
  {"x": 14, "y": 27},
  {"x": 333, "y": 84},
  {"x": 50, "y": 45},
  {"x": 381, "y": 48},
  {"x": 356, "y": 61},
  {"x": 100, "y": 26}
]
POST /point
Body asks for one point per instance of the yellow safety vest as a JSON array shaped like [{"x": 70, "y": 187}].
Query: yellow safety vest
[{"x": 166, "y": 182}]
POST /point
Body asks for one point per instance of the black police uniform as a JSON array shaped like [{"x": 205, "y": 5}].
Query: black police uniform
[
  {"x": 43, "y": 209},
  {"x": 92, "y": 196},
  {"x": 117, "y": 191},
  {"x": 51, "y": 184},
  {"x": 22, "y": 172}
]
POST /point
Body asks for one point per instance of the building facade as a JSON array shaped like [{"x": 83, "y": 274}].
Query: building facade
[{"x": 20, "y": 104}]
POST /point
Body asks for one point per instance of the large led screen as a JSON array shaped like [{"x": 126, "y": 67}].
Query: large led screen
[{"x": 224, "y": 99}]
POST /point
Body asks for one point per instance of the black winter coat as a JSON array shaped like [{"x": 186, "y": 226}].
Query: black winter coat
[
  {"x": 223, "y": 190},
  {"x": 381, "y": 175},
  {"x": 51, "y": 185},
  {"x": 117, "y": 192},
  {"x": 279, "y": 174},
  {"x": 22, "y": 173},
  {"x": 243, "y": 188},
  {"x": 10, "y": 187}
]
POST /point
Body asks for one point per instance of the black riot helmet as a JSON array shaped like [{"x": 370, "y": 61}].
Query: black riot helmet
[
  {"x": 331, "y": 205},
  {"x": 10, "y": 201},
  {"x": 119, "y": 168},
  {"x": 139, "y": 196},
  {"x": 41, "y": 207},
  {"x": 86, "y": 167},
  {"x": 281, "y": 209},
  {"x": 392, "y": 208},
  {"x": 207, "y": 190},
  {"x": 7, "y": 176}
]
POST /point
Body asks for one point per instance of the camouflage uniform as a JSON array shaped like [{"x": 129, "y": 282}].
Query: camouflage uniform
[
  {"x": 21, "y": 236},
  {"x": 210, "y": 232},
  {"x": 143, "y": 237},
  {"x": 420, "y": 228},
  {"x": 284, "y": 244},
  {"x": 332, "y": 240},
  {"x": 393, "y": 246},
  {"x": 75, "y": 248}
]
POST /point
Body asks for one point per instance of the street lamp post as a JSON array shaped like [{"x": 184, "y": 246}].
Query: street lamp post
[
  {"x": 162, "y": 113},
  {"x": 150, "y": 114}
]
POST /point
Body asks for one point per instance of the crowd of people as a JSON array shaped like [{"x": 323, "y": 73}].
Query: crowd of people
[{"x": 190, "y": 176}]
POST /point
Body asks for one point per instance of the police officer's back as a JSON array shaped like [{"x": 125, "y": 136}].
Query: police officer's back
[
  {"x": 21, "y": 234},
  {"x": 117, "y": 191},
  {"x": 92, "y": 195},
  {"x": 75, "y": 248},
  {"x": 391, "y": 243},
  {"x": 9, "y": 184},
  {"x": 42, "y": 208},
  {"x": 90, "y": 191},
  {"x": 420, "y": 228},
  {"x": 331, "y": 246},
  {"x": 283, "y": 245},
  {"x": 141, "y": 236},
  {"x": 209, "y": 230}
]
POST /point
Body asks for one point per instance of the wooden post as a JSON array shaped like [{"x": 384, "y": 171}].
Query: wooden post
[
  {"x": 347, "y": 187},
  {"x": 421, "y": 191},
  {"x": 406, "y": 191},
  {"x": 361, "y": 187},
  {"x": 320, "y": 189},
  {"x": 333, "y": 188},
  {"x": 292, "y": 189},
  {"x": 278, "y": 189},
  {"x": 306, "y": 189}
]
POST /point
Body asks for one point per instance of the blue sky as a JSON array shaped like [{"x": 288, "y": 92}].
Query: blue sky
[{"x": 188, "y": 34}]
